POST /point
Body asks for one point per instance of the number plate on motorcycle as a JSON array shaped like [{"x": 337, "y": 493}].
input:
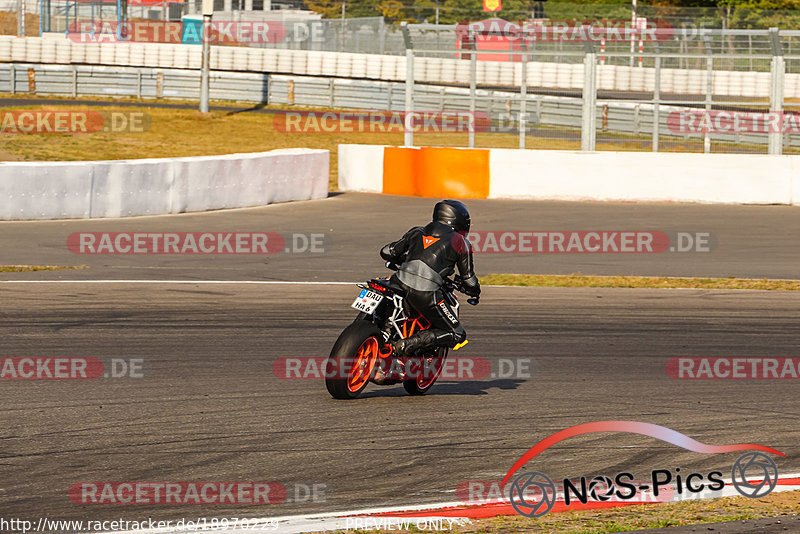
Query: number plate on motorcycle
[{"x": 367, "y": 301}]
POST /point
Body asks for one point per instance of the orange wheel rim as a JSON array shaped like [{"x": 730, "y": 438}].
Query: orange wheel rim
[
  {"x": 364, "y": 361},
  {"x": 435, "y": 364}
]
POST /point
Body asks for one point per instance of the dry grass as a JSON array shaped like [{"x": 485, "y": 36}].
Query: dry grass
[
  {"x": 29, "y": 268},
  {"x": 648, "y": 516},
  {"x": 578, "y": 280},
  {"x": 8, "y": 23}
]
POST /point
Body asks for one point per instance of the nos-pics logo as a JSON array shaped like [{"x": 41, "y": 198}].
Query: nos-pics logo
[{"x": 533, "y": 494}]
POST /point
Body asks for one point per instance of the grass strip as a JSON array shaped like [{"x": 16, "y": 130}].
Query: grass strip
[
  {"x": 30, "y": 268},
  {"x": 644, "y": 282}
]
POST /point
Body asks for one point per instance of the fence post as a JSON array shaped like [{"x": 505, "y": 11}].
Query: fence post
[
  {"x": 382, "y": 36},
  {"x": 473, "y": 74},
  {"x": 709, "y": 89},
  {"x": 408, "y": 122},
  {"x": 777, "y": 71},
  {"x": 74, "y": 81},
  {"x": 656, "y": 101},
  {"x": 523, "y": 92},
  {"x": 12, "y": 78},
  {"x": 589, "y": 112},
  {"x": 20, "y": 18},
  {"x": 205, "y": 68}
]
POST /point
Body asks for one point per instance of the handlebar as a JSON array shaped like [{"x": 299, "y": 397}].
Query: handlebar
[{"x": 453, "y": 285}]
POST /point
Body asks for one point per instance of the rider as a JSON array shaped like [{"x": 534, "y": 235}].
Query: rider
[{"x": 427, "y": 255}]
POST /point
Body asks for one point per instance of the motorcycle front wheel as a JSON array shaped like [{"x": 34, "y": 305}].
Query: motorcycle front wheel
[{"x": 425, "y": 371}]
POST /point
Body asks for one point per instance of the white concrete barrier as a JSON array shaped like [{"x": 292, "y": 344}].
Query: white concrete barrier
[
  {"x": 361, "y": 168},
  {"x": 611, "y": 176},
  {"x": 67, "y": 190},
  {"x": 642, "y": 176}
]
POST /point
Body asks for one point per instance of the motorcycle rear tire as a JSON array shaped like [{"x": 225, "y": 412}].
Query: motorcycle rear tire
[{"x": 356, "y": 351}]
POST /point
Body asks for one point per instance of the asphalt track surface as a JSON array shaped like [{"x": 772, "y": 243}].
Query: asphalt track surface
[
  {"x": 210, "y": 407},
  {"x": 747, "y": 241}
]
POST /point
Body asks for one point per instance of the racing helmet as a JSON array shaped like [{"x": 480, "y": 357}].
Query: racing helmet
[{"x": 452, "y": 213}]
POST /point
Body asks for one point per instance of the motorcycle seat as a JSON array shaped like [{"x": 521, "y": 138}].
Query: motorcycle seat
[{"x": 388, "y": 284}]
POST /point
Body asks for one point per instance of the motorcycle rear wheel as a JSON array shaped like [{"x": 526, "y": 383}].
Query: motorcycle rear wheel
[{"x": 352, "y": 360}]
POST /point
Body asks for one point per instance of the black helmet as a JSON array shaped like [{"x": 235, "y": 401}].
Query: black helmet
[{"x": 452, "y": 213}]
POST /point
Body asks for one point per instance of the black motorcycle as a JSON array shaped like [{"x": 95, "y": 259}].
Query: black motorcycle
[{"x": 362, "y": 354}]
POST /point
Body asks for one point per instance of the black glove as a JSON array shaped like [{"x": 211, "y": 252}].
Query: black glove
[{"x": 471, "y": 286}]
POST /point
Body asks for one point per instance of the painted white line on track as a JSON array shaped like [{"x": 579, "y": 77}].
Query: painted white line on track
[
  {"x": 302, "y": 283},
  {"x": 322, "y": 522},
  {"x": 265, "y": 282}
]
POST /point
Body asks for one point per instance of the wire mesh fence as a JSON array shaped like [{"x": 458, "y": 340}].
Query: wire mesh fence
[
  {"x": 651, "y": 80},
  {"x": 699, "y": 91}
]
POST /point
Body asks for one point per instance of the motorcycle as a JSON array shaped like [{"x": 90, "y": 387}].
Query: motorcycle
[{"x": 362, "y": 353}]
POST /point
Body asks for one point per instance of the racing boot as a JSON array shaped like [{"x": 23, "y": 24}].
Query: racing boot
[
  {"x": 388, "y": 371},
  {"x": 413, "y": 344}
]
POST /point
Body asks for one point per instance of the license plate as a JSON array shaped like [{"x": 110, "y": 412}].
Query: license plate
[{"x": 367, "y": 301}]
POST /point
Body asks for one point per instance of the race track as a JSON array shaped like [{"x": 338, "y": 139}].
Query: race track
[
  {"x": 749, "y": 241},
  {"x": 209, "y": 406}
]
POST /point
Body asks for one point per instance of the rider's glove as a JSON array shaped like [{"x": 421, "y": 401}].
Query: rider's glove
[{"x": 471, "y": 286}]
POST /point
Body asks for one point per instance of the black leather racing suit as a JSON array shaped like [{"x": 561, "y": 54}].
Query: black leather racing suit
[{"x": 426, "y": 255}]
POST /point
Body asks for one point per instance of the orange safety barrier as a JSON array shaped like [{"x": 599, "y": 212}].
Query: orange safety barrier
[
  {"x": 399, "y": 170},
  {"x": 436, "y": 172}
]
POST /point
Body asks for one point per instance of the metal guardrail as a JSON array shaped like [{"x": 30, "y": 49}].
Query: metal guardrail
[
  {"x": 140, "y": 82},
  {"x": 543, "y": 111}
]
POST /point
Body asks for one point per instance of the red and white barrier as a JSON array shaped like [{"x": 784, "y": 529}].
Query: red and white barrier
[{"x": 609, "y": 176}]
